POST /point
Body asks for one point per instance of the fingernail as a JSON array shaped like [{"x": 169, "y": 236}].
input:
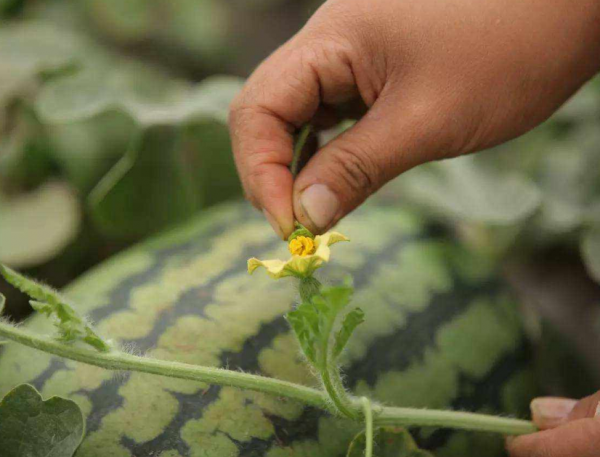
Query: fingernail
[
  {"x": 273, "y": 223},
  {"x": 597, "y": 410},
  {"x": 550, "y": 412},
  {"x": 320, "y": 205}
]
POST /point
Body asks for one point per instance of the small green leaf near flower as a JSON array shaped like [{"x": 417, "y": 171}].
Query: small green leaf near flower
[
  {"x": 314, "y": 321},
  {"x": 352, "y": 320},
  {"x": 32, "y": 427}
]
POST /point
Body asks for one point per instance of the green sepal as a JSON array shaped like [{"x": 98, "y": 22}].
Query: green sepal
[
  {"x": 388, "y": 442},
  {"x": 70, "y": 325},
  {"x": 300, "y": 231},
  {"x": 309, "y": 287}
]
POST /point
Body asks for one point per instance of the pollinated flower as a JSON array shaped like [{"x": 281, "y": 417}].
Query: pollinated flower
[{"x": 308, "y": 255}]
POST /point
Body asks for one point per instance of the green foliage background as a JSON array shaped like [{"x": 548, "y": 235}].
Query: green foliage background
[
  {"x": 113, "y": 119},
  {"x": 113, "y": 127}
]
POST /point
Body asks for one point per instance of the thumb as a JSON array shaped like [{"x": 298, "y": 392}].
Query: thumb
[
  {"x": 350, "y": 168},
  {"x": 570, "y": 429},
  {"x": 551, "y": 412}
]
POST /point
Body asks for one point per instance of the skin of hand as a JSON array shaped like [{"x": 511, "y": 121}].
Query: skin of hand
[
  {"x": 439, "y": 78},
  {"x": 569, "y": 429}
]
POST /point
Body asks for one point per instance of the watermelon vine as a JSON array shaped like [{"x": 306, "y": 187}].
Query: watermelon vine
[{"x": 307, "y": 320}]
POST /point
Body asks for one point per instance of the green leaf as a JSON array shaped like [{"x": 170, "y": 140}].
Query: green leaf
[
  {"x": 389, "y": 442},
  {"x": 32, "y": 427},
  {"x": 352, "y": 320},
  {"x": 30, "y": 48},
  {"x": 37, "y": 226},
  {"x": 465, "y": 190},
  {"x": 148, "y": 190},
  {"x": 2, "y": 303},
  {"x": 148, "y": 96},
  {"x": 590, "y": 250},
  {"x": 70, "y": 325},
  {"x": 314, "y": 321}
]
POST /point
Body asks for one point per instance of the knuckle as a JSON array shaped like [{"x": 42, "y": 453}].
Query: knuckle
[
  {"x": 256, "y": 175},
  {"x": 236, "y": 108},
  {"x": 356, "y": 168}
]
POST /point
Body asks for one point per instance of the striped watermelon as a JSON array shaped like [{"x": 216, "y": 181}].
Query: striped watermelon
[{"x": 441, "y": 331}]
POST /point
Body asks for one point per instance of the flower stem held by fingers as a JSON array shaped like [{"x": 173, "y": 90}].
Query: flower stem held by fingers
[{"x": 299, "y": 146}]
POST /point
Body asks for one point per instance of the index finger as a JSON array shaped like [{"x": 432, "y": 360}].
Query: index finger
[
  {"x": 280, "y": 96},
  {"x": 284, "y": 93}
]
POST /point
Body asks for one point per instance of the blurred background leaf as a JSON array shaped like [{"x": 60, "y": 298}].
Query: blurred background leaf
[
  {"x": 113, "y": 116},
  {"x": 36, "y": 226}
]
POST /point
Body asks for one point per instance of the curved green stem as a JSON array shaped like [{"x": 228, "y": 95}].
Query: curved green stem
[
  {"x": 117, "y": 360},
  {"x": 368, "y": 414},
  {"x": 300, "y": 142},
  {"x": 384, "y": 416},
  {"x": 334, "y": 387}
]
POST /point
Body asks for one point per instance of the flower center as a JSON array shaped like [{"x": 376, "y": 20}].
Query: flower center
[{"x": 302, "y": 246}]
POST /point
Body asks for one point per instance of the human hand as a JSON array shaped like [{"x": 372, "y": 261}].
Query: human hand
[
  {"x": 439, "y": 79},
  {"x": 569, "y": 429}
]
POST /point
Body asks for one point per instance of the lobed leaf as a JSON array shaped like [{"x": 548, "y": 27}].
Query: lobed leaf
[
  {"x": 314, "y": 322},
  {"x": 352, "y": 320},
  {"x": 38, "y": 225},
  {"x": 149, "y": 97},
  {"x": 30, "y": 426},
  {"x": 70, "y": 325},
  {"x": 465, "y": 190}
]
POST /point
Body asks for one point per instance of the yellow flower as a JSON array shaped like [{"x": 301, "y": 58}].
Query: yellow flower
[
  {"x": 303, "y": 263},
  {"x": 302, "y": 246}
]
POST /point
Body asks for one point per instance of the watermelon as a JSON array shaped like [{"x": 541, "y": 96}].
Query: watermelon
[{"x": 441, "y": 331}]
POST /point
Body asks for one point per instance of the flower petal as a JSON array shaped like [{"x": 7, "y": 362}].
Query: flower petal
[
  {"x": 322, "y": 242},
  {"x": 300, "y": 266},
  {"x": 275, "y": 268}
]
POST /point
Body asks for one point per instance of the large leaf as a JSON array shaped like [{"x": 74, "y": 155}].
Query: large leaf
[
  {"x": 32, "y": 427},
  {"x": 568, "y": 177},
  {"x": 149, "y": 189},
  {"x": 36, "y": 226},
  {"x": 206, "y": 147},
  {"x": 85, "y": 151},
  {"x": 388, "y": 442},
  {"x": 28, "y": 48},
  {"x": 464, "y": 190},
  {"x": 147, "y": 96},
  {"x": 590, "y": 250}
]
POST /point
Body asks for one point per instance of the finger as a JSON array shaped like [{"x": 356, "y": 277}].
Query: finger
[
  {"x": 351, "y": 167},
  {"x": 586, "y": 407},
  {"x": 284, "y": 93},
  {"x": 551, "y": 412},
  {"x": 579, "y": 438}
]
